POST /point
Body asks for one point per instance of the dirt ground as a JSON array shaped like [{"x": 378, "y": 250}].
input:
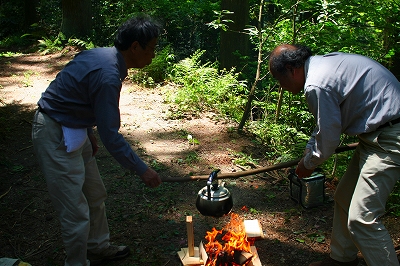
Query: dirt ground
[{"x": 150, "y": 221}]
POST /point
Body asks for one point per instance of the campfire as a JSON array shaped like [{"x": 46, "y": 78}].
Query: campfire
[{"x": 230, "y": 246}]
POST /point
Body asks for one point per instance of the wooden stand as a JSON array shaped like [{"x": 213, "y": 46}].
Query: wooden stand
[
  {"x": 190, "y": 235},
  {"x": 255, "y": 261},
  {"x": 191, "y": 254},
  {"x": 197, "y": 256},
  {"x": 194, "y": 260}
]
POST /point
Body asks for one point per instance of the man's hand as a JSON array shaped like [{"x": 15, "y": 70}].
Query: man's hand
[
  {"x": 306, "y": 151},
  {"x": 302, "y": 171},
  {"x": 93, "y": 140},
  {"x": 151, "y": 178}
]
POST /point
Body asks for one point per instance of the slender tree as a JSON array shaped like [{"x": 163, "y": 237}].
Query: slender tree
[
  {"x": 258, "y": 71},
  {"x": 294, "y": 39}
]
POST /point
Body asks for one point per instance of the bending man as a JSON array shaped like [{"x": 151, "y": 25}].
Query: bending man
[
  {"x": 355, "y": 95},
  {"x": 83, "y": 95}
]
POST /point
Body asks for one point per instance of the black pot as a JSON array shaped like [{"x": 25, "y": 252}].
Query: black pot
[{"x": 214, "y": 200}]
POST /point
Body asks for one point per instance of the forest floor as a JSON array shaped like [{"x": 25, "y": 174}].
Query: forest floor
[{"x": 151, "y": 221}]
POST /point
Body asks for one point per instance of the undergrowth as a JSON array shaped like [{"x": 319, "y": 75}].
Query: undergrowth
[
  {"x": 156, "y": 72},
  {"x": 51, "y": 45},
  {"x": 202, "y": 87}
]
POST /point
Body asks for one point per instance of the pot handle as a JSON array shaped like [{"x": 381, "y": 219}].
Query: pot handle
[{"x": 209, "y": 182}]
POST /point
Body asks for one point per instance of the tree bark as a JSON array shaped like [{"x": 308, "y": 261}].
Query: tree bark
[
  {"x": 30, "y": 14},
  {"x": 77, "y": 18},
  {"x": 234, "y": 42}
]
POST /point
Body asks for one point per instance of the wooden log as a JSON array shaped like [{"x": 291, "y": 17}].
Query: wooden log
[
  {"x": 253, "y": 229},
  {"x": 241, "y": 257}
]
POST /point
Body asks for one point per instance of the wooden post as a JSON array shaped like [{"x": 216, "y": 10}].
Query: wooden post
[{"x": 190, "y": 234}]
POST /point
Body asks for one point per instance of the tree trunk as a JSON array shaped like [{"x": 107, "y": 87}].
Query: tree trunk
[
  {"x": 30, "y": 14},
  {"x": 294, "y": 28},
  {"x": 234, "y": 42},
  {"x": 247, "y": 109},
  {"x": 77, "y": 18}
]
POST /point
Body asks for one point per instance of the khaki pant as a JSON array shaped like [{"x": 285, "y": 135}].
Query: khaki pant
[
  {"x": 361, "y": 197},
  {"x": 76, "y": 190}
]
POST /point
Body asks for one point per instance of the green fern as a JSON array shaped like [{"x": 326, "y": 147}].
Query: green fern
[
  {"x": 81, "y": 43},
  {"x": 48, "y": 45}
]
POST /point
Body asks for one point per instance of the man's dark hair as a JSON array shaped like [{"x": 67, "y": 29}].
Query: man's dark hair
[
  {"x": 294, "y": 55},
  {"x": 141, "y": 28}
]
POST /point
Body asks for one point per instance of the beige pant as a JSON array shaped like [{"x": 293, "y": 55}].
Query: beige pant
[
  {"x": 76, "y": 190},
  {"x": 361, "y": 197}
]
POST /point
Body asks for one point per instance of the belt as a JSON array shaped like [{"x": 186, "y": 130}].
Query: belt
[
  {"x": 393, "y": 122},
  {"x": 40, "y": 109}
]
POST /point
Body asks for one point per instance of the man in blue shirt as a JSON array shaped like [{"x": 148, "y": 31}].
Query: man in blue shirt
[
  {"x": 357, "y": 96},
  {"x": 83, "y": 95}
]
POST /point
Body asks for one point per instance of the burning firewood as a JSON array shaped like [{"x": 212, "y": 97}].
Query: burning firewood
[
  {"x": 234, "y": 240},
  {"x": 229, "y": 246},
  {"x": 242, "y": 257}
]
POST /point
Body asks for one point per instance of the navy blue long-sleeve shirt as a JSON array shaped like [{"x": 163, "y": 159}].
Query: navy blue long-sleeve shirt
[{"x": 86, "y": 94}]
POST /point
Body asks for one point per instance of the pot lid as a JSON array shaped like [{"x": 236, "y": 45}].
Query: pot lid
[{"x": 216, "y": 192}]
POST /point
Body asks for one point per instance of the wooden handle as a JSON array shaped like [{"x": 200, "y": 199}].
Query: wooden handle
[{"x": 254, "y": 171}]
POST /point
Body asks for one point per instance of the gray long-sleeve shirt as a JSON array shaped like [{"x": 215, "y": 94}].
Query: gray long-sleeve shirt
[
  {"x": 86, "y": 93},
  {"x": 346, "y": 93}
]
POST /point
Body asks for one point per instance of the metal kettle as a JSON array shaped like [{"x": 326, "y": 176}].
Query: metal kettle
[{"x": 214, "y": 200}]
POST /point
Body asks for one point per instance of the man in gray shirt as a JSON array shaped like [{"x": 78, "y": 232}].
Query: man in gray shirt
[
  {"x": 357, "y": 96},
  {"x": 83, "y": 95}
]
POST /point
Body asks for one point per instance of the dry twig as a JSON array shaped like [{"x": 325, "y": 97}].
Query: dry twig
[
  {"x": 20, "y": 215},
  {"x": 2, "y": 195},
  {"x": 38, "y": 251},
  {"x": 28, "y": 147}
]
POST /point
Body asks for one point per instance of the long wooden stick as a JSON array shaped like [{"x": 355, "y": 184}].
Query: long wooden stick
[{"x": 253, "y": 171}]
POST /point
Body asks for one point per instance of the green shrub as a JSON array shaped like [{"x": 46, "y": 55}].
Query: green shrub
[
  {"x": 202, "y": 87},
  {"x": 157, "y": 71}
]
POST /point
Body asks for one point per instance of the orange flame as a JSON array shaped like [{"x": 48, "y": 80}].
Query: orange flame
[{"x": 235, "y": 239}]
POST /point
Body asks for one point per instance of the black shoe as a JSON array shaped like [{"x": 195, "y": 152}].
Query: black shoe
[{"x": 111, "y": 253}]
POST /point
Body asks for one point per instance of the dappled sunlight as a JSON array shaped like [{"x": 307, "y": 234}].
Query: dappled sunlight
[
  {"x": 47, "y": 65},
  {"x": 151, "y": 221},
  {"x": 24, "y": 77},
  {"x": 192, "y": 146}
]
